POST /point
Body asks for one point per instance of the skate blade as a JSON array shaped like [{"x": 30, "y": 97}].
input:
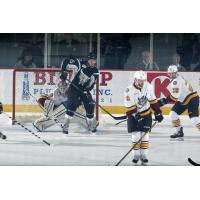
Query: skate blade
[{"x": 177, "y": 139}]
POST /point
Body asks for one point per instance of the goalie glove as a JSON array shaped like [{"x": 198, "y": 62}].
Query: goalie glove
[{"x": 1, "y": 107}]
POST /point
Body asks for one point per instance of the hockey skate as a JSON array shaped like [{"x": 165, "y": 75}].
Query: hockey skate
[
  {"x": 179, "y": 135},
  {"x": 2, "y": 136},
  {"x": 66, "y": 125},
  {"x": 144, "y": 161},
  {"x": 92, "y": 125},
  {"x": 135, "y": 160}
]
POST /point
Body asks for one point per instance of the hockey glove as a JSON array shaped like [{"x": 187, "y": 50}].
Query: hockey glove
[
  {"x": 162, "y": 102},
  {"x": 159, "y": 117},
  {"x": 1, "y": 108}
]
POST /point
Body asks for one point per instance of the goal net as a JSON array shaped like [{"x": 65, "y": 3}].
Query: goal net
[{"x": 29, "y": 85}]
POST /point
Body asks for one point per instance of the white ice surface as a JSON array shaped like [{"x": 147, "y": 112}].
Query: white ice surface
[{"x": 106, "y": 147}]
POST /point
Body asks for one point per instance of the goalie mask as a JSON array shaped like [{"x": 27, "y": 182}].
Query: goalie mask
[
  {"x": 62, "y": 86},
  {"x": 139, "y": 78},
  {"x": 172, "y": 71}
]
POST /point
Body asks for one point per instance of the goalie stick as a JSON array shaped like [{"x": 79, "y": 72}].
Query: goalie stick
[
  {"x": 192, "y": 162},
  {"x": 136, "y": 144},
  {"x": 114, "y": 117},
  {"x": 30, "y": 131}
]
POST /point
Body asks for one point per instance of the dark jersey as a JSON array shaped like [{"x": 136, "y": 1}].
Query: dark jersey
[{"x": 83, "y": 75}]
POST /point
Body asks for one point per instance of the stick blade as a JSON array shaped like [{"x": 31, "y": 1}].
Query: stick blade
[{"x": 192, "y": 162}]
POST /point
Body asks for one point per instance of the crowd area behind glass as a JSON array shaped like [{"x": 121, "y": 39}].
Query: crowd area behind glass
[{"x": 123, "y": 51}]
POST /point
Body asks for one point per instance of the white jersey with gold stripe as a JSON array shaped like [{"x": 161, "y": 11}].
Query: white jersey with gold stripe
[
  {"x": 139, "y": 99},
  {"x": 181, "y": 90}
]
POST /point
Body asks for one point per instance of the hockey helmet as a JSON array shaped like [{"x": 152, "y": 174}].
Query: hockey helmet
[
  {"x": 139, "y": 78},
  {"x": 62, "y": 87},
  {"x": 140, "y": 75},
  {"x": 172, "y": 69},
  {"x": 92, "y": 55}
]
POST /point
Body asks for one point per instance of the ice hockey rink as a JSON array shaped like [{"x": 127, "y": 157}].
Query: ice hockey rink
[{"x": 104, "y": 148}]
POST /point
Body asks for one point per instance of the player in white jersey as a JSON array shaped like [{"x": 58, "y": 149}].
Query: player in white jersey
[
  {"x": 140, "y": 100},
  {"x": 53, "y": 107},
  {"x": 185, "y": 97}
]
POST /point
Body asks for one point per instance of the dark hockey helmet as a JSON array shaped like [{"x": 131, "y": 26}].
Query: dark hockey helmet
[{"x": 92, "y": 55}]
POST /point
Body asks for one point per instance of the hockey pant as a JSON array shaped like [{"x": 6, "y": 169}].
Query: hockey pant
[{"x": 193, "y": 112}]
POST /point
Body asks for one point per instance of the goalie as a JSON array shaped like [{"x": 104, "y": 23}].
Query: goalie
[{"x": 53, "y": 108}]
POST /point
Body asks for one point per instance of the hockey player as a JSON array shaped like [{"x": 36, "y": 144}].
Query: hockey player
[
  {"x": 53, "y": 107},
  {"x": 84, "y": 75},
  {"x": 2, "y": 136},
  {"x": 185, "y": 97},
  {"x": 139, "y": 100}
]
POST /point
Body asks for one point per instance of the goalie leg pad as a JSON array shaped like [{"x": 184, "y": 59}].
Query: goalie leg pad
[
  {"x": 59, "y": 113},
  {"x": 48, "y": 107},
  {"x": 43, "y": 123}
]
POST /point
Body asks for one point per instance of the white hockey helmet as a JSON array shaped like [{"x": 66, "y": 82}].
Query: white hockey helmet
[
  {"x": 62, "y": 86},
  {"x": 140, "y": 75},
  {"x": 172, "y": 69}
]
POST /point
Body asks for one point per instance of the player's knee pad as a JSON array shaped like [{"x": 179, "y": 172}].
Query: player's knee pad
[
  {"x": 145, "y": 141},
  {"x": 135, "y": 138},
  {"x": 90, "y": 115},
  {"x": 173, "y": 116},
  {"x": 195, "y": 121}
]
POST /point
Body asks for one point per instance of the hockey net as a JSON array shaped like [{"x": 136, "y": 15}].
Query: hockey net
[{"x": 29, "y": 85}]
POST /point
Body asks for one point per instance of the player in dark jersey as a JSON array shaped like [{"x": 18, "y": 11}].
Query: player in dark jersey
[
  {"x": 83, "y": 79},
  {"x": 2, "y": 136}
]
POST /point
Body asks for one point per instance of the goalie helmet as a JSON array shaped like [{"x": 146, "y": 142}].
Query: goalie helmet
[
  {"x": 139, "y": 78},
  {"x": 63, "y": 87}
]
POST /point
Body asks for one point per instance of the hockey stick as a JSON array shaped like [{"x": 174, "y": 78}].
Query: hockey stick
[
  {"x": 136, "y": 144},
  {"x": 120, "y": 122},
  {"x": 114, "y": 117},
  {"x": 192, "y": 162},
  {"x": 44, "y": 141}
]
